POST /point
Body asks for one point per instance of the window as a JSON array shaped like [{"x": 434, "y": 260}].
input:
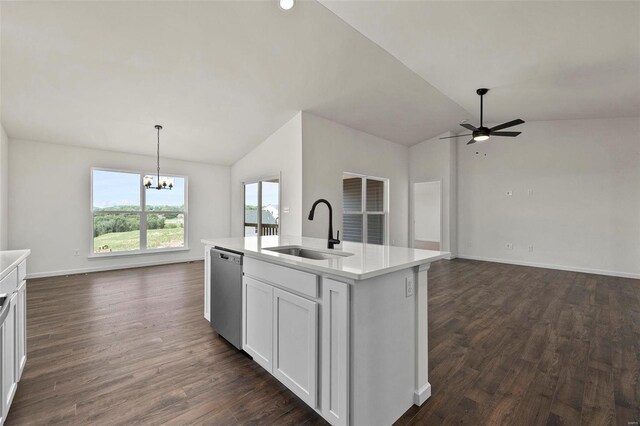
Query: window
[
  {"x": 365, "y": 213},
  {"x": 262, "y": 196},
  {"x": 127, "y": 217}
]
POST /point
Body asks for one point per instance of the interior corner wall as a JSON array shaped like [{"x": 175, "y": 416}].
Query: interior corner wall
[
  {"x": 4, "y": 189},
  {"x": 280, "y": 154},
  {"x": 50, "y": 205},
  {"x": 328, "y": 150},
  {"x": 435, "y": 160},
  {"x": 575, "y": 196}
]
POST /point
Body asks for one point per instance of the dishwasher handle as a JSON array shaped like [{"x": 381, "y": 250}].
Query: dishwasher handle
[{"x": 226, "y": 255}]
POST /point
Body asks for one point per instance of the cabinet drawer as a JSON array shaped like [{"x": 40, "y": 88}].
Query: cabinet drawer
[
  {"x": 292, "y": 279},
  {"x": 10, "y": 282},
  {"x": 22, "y": 270}
]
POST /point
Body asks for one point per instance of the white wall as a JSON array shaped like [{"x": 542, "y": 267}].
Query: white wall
[
  {"x": 328, "y": 150},
  {"x": 436, "y": 160},
  {"x": 49, "y": 209},
  {"x": 584, "y": 211},
  {"x": 4, "y": 175},
  {"x": 4, "y": 189},
  {"x": 427, "y": 210},
  {"x": 280, "y": 154}
]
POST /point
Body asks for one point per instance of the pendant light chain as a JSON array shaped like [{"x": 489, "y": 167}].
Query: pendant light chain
[{"x": 158, "y": 155}]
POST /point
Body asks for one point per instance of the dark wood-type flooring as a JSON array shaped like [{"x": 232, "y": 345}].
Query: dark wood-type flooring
[{"x": 508, "y": 345}]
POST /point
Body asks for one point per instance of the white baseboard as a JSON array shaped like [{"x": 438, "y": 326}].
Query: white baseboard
[
  {"x": 422, "y": 394},
  {"x": 108, "y": 268},
  {"x": 552, "y": 266}
]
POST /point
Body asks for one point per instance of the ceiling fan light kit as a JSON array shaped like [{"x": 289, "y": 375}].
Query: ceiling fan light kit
[{"x": 483, "y": 133}]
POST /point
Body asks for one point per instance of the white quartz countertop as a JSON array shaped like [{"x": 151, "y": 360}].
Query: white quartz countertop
[
  {"x": 9, "y": 259},
  {"x": 365, "y": 261}
]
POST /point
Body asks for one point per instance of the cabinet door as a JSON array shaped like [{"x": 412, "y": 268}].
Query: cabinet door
[
  {"x": 295, "y": 343},
  {"x": 9, "y": 379},
  {"x": 257, "y": 307},
  {"x": 21, "y": 330}
]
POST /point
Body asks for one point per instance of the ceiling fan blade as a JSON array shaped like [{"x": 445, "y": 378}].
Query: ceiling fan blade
[
  {"x": 507, "y": 124},
  {"x": 471, "y": 141},
  {"x": 510, "y": 134},
  {"x": 449, "y": 137},
  {"x": 468, "y": 126}
]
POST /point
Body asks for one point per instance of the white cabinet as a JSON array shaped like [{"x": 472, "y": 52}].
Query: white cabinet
[
  {"x": 296, "y": 326},
  {"x": 21, "y": 330},
  {"x": 207, "y": 283},
  {"x": 295, "y": 342},
  {"x": 9, "y": 337},
  {"x": 257, "y": 308},
  {"x": 13, "y": 328},
  {"x": 281, "y": 334},
  {"x": 335, "y": 351}
]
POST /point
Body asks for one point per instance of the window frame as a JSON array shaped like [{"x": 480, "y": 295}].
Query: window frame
[
  {"x": 363, "y": 206},
  {"x": 259, "y": 181},
  {"x": 142, "y": 214}
]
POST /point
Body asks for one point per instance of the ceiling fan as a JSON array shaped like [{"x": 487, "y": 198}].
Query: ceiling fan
[{"x": 483, "y": 133}]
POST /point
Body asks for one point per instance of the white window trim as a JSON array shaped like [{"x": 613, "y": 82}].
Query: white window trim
[
  {"x": 363, "y": 206},
  {"x": 259, "y": 216},
  {"x": 142, "y": 213}
]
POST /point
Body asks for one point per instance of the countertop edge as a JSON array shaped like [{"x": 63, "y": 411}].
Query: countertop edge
[
  {"x": 22, "y": 254},
  {"x": 320, "y": 269}
]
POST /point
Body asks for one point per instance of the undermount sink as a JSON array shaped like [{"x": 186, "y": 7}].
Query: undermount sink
[{"x": 308, "y": 253}]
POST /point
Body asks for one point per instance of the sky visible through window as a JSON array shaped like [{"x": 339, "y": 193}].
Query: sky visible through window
[
  {"x": 269, "y": 196},
  {"x": 123, "y": 189}
]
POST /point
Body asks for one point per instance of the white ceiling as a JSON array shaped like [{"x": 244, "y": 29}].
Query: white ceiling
[
  {"x": 220, "y": 76},
  {"x": 223, "y": 76},
  {"x": 541, "y": 60}
]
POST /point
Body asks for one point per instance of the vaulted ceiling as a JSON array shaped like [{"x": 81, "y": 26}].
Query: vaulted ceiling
[
  {"x": 223, "y": 76},
  {"x": 542, "y": 60},
  {"x": 220, "y": 76}
]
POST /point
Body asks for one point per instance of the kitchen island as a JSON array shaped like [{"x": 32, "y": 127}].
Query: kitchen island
[{"x": 344, "y": 329}]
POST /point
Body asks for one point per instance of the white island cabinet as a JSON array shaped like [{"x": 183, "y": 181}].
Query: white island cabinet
[
  {"x": 346, "y": 333},
  {"x": 13, "y": 328}
]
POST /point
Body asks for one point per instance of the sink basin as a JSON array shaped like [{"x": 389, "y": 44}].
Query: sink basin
[{"x": 308, "y": 253}]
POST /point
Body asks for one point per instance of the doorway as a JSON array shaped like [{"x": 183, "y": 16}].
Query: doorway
[
  {"x": 427, "y": 215},
  {"x": 262, "y": 207}
]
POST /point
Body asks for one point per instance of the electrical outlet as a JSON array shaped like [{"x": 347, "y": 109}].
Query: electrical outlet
[
  {"x": 285, "y": 210},
  {"x": 409, "y": 287},
  {"x": 530, "y": 247},
  {"x": 509, "y": 193},
  {"x": 530, "y": 192},
  {"x": 76, "y": 252},
  {"x": 509, "y": 246}
]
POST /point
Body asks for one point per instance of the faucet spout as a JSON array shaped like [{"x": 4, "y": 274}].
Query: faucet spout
[{"x": 331, "y": 242}]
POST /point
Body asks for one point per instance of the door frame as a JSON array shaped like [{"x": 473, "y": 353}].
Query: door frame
[
  {"x": 259, "y": 216},
  {"x": 412, "y": 219}
]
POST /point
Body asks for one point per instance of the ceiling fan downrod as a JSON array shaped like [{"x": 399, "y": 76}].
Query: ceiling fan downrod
[{"x": 481, "y": 92}]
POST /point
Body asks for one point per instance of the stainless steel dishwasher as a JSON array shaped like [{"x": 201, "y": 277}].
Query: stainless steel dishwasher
[{"x": 226, "y": 294}]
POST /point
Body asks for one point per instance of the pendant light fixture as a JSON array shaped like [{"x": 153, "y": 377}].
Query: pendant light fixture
[{"x": 162, "y": 182}]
